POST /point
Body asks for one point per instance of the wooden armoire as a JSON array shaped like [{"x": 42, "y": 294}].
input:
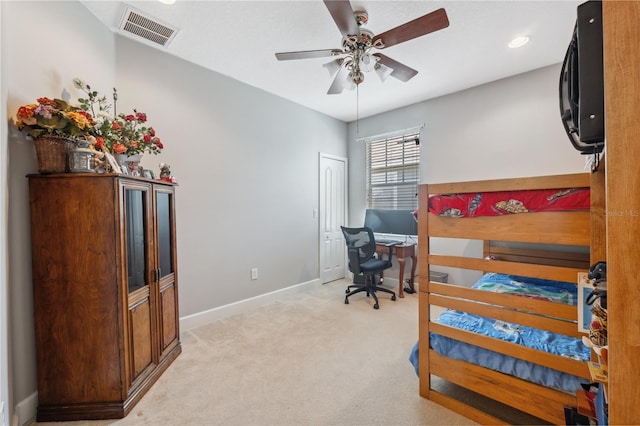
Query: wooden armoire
[{"x": 105, "y": 291}]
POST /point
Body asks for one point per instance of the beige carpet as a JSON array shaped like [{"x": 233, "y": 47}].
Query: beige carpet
[{"x": 307, "y": 359}]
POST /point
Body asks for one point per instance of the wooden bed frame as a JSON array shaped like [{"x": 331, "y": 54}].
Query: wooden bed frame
[{"x": 571, "y": 228}]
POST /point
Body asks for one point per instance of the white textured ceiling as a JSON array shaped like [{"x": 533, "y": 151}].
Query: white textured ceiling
[{"x": 239, "y": 39}]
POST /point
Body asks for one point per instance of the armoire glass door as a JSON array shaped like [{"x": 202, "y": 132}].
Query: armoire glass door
[
  {"x": 136, "y": 241},
  {"x": 165, "y": 246},
  {"x": 165, "y": 254},
  {"x": 141, "y": 316}
]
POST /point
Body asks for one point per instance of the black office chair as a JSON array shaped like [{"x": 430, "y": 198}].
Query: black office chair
[{"x": 361, "y": 247}]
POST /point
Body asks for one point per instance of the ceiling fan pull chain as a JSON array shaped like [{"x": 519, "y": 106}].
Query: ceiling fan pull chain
[{"x": 357, "y": 109}]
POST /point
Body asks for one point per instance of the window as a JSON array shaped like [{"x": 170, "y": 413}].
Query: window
[{"x": 393, "y": 172}]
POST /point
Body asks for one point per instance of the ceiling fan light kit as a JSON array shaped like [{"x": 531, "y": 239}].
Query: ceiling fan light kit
[
  {"x": 357, "y": 45},
  {"x": 382, "y": 71}
]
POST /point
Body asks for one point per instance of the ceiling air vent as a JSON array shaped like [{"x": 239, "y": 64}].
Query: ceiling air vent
[{"x": 136, "y": 23}]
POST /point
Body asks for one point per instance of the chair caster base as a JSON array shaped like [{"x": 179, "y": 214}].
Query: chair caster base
[
  {"x": 346, "y": 301},
  {"x": 393, "y": 297},
  {"x": 376, "y": 306}
]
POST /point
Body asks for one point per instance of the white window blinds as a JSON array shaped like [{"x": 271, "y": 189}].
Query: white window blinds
[{"x": 393, "y": 172}]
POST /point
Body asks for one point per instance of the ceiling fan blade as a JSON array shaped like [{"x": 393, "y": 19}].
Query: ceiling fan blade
[
  {"x": 340, "y": 82},
  {"x": 305, "y": 54},
  {"x": 426, "y": 24},
  {"x": 342, "y": 14},
  {"x": 400, "y": 71}
]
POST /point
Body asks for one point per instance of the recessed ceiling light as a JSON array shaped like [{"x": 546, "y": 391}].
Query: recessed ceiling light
[
  {"x": 167, "y": 1},
  {"x": 518, "y": 42}
]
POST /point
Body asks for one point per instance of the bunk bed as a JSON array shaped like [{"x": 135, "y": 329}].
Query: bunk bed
[{"x": 539, "y": 250}]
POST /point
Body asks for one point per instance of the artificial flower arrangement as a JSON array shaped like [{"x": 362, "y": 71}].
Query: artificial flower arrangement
[
  {"x": 127, "y": 134},
  {"x": 56, "y": 126},
  {"x": 54, "y": 117},
  {"x": 118, "y": 133}
]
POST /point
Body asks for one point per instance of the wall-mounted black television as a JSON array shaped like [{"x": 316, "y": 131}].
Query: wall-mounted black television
[
  {"x": 582, "y": 82},
  {"x": 397, "y": 222}
]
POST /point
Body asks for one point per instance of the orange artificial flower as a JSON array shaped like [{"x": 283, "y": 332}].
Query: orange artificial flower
[{"x": 119, "y": 148}]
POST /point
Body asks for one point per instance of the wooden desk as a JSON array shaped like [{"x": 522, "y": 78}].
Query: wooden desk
[{"x": 401, "y": 252}]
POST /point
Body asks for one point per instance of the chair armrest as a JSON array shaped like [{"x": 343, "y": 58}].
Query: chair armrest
[
  {"x": 354, "y": 260},
  {"x": 390, "y": 247}
]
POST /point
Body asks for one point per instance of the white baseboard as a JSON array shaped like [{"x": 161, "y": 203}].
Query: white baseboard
[
  {"x": 25, "y": 410},
  {"x": 206, "y": 317},
  {"x": 391, "y": 282}
]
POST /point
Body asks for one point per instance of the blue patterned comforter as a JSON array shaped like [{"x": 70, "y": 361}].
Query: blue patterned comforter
[{"x": 557, "y": 344}]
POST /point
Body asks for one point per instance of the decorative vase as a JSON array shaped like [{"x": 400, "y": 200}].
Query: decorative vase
[
  {"x": 121, "y": 160},
  {"x": 133, "y": 162},
  {"x": 129, "y": 163},
  {"x": 53, "y": 153}
]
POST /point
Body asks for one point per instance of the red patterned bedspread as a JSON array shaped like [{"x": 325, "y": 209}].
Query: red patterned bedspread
[{"x": 509, "y": 202}]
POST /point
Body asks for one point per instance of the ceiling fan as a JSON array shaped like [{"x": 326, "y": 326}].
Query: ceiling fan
[{"x": 357, "y": 43}]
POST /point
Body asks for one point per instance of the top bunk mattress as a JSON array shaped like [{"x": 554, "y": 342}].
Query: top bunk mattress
[{"x": 509, "y": 202}]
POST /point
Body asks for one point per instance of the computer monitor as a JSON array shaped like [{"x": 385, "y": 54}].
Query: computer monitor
[{"x": 397, "y": 222}]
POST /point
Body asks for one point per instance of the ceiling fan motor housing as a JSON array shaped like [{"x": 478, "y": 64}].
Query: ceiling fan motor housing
[{"x": 362, "y": 17}]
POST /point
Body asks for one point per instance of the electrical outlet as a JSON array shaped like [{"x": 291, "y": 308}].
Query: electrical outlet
[{"x": 254, "y": 273}]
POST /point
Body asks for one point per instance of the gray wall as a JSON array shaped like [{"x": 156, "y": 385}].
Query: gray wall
[
  {"x": 247, "y": 165},
  {"x": 45, "y": 45},
  {"x": 4, "y": 292},
  {"x": 246, "y": 162},
  {"x": 507, "y": 128}
]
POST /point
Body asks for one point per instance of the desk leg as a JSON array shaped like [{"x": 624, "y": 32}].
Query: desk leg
[
  {"x": 401, "y": 262},
  {"x": 414, "y": 263}
]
